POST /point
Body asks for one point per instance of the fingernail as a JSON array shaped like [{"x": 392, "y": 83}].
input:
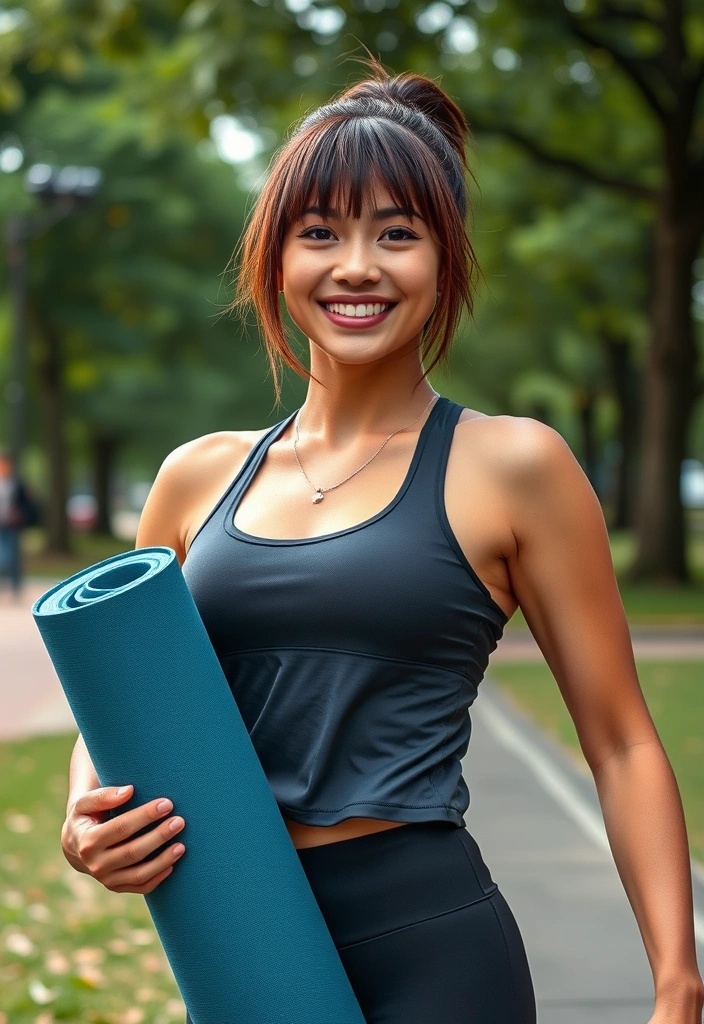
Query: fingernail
[
  {"x": 163, "y": 806},
  {"x": 122, "y": 789}
]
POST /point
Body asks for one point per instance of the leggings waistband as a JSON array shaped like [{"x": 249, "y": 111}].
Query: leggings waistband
[{"x": 384, "y": 880}]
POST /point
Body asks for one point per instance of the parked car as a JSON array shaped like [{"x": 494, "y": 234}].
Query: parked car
[{"x": 82, "y": 511}]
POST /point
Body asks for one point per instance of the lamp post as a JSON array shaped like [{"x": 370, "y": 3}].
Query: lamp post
[{"x": 61, "y": 190}]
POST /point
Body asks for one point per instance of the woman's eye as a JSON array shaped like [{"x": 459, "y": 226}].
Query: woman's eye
[
  {"x": 401, "y": 234},
  {"x": 315, "y": 233}
]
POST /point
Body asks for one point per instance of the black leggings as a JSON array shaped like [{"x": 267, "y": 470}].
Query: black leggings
[{"x": 422, "y": 930}]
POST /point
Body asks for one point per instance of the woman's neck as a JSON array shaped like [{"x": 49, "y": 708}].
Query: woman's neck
[{"x": 371, "y": 399}]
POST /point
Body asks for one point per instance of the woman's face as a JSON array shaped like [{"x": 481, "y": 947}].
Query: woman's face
[{"x": 383, "y": 265}]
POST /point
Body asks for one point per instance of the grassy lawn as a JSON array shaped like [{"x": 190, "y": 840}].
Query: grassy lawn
[
  {"x": 70, "y": 949},
  {"x": 674, "y": 692}
]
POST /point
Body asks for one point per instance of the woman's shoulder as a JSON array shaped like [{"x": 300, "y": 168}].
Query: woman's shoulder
[
  {"x": 191, "y": 477},
  {"x": 518, "y": 442},
  {"x": 519, "y": 457},
  {"x": 218, "y": 444}
]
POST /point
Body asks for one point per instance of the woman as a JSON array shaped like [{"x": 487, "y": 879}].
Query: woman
[{"x": 355, "y": 566}]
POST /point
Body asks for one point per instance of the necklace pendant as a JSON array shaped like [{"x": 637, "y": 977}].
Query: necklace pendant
[{"x": 318, "y": 496}]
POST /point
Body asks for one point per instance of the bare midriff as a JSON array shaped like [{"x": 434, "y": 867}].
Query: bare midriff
[{"x": 304, "y": 836}]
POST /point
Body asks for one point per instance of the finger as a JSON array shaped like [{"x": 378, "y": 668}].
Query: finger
[
  {"x": 103, "y": 798},
  {"x": 100, "y": 836},
  {"x": 145, "y": 876},
  {"x": 135, "y": 850}
]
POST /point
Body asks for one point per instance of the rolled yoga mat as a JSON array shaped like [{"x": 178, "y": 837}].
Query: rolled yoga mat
[{"x": 240, "y": 926}]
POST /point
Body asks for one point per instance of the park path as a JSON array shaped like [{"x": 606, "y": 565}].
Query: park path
[{"x": 533, "y": 810}]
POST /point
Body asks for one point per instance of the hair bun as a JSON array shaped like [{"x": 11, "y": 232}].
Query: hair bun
[{"x": 420, "y": 93}]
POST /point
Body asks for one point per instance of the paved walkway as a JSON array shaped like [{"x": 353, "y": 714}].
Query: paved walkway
[
  {"x": 537, "y": 819},
  {"x": 534, "y": 812},
  {"x": 667, "y": 643}
]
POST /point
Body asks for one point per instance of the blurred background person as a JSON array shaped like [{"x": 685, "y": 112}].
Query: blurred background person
[{"x": 17, "y": 510}]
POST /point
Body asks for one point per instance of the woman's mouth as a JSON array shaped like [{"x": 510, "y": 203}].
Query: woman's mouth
[{"x": 361, "y": 314}]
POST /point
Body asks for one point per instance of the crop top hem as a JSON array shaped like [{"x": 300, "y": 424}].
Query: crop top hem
[{"x": 380, "y": 811}]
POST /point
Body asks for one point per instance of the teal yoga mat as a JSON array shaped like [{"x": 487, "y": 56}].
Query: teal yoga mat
[{"x": 240, "y": 926}]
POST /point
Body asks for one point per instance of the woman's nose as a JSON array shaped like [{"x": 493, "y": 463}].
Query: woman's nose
[{"x": 356, "y": 264}]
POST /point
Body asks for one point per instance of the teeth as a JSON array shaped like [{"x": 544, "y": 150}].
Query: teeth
[{"x": 370, "y": 309}]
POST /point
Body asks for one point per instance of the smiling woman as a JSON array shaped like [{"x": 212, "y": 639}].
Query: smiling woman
[{"x": 355, "y": 631}]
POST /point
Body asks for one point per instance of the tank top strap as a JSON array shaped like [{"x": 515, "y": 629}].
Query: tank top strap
[
  {"x": 255, "y": 457},
  {"x": 428, "y": 483}
]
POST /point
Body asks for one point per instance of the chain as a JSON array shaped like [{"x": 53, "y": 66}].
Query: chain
[{"x": 319, "y": 492}]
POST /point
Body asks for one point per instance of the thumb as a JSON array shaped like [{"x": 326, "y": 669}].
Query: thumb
[{"x": 96, "y": 800}]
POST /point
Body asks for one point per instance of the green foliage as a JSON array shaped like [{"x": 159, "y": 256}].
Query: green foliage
[{"x": 133, "y": 88}]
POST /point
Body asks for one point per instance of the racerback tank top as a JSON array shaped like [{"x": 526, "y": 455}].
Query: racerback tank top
[{"x": 353, "y": 656}]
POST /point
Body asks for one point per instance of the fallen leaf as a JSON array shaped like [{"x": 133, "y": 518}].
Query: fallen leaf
[
  {"x": 152, "y": 963},
  {"x": 19, "y": 943},
  {"x": 88, "y": 955},
  {"x": 132, "y": 1016},
  {"x": 39, "y": 912},
  {"x": 16, "y": 822},
  {"x": 39, "y": 993},
  {"x": 56, "y": 962},
  {"x": 91, "y": 976},
  {"x": 148, "y": 995},
  {"x": 119, "y": 947}
]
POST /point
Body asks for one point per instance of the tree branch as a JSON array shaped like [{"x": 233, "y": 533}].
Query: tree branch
[
  {"x": 610, "y": 12},
  {"x": 632, "y": 66},
  {"x": 630, "y": 188}
]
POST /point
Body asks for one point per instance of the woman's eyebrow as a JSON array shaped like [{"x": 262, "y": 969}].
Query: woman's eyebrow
[{"x": 382, "y": 213}]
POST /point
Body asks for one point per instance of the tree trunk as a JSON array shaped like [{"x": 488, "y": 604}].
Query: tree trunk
[
  {"x": 625, "y": 385},
  {"x": 104, "y": 449},
  {"x": 585, "y": 410},
  {"x": 668, "y": 393},
  {"x": 49, "y": 369}
]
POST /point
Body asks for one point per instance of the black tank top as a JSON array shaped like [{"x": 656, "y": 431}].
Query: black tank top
[{"x": 354, "y": 656}]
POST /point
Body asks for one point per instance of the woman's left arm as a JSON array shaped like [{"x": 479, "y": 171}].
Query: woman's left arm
[{"x": 563, "y": 578}]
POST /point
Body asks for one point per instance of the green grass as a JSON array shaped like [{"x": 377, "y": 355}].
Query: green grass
[
  {"x": 674, "y": 692},
  {"x": 88, "y": 549},
  {"x": 70, "y": 949}
]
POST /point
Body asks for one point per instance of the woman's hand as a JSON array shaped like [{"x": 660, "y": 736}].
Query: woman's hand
[{"x": 102, "y": 848}]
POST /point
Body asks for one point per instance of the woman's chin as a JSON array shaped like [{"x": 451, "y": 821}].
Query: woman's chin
[{"x": 357, "y": 353}]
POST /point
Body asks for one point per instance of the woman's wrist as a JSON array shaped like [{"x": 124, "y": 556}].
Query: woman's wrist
[{"x": 683, "y": 991}]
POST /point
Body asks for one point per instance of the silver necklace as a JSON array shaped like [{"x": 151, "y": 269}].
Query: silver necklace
[{"x": 320, "y": 492}]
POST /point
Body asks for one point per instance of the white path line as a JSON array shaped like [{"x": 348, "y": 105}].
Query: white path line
[{"x": 554, "y": 781}]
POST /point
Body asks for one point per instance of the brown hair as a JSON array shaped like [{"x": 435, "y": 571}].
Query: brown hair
[{"x": 402, "y": 130}]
